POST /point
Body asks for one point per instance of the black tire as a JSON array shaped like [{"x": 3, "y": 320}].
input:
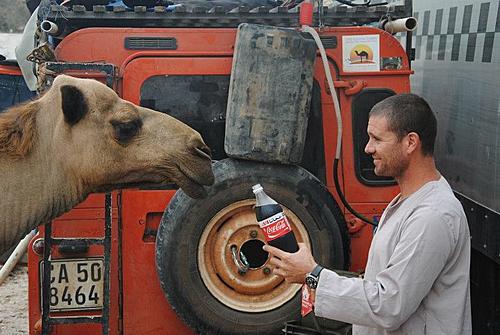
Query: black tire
[{"x": 185, "y": 219}]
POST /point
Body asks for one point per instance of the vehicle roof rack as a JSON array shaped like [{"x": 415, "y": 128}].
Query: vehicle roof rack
[{"x": 77, "y": 16}]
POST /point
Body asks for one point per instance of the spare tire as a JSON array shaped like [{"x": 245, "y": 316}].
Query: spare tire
[{"x": 200, "y": 243}]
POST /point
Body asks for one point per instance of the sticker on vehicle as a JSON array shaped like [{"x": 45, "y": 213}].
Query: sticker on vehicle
[{"x": 360, "y": 53}]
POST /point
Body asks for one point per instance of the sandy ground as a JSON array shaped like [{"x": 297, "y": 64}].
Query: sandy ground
[
  {"x": 14, "y": 302},
  {"x": 8, "y": 43}
]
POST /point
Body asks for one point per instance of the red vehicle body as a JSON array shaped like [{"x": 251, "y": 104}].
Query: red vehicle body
[{"x": 137, "y": 303}]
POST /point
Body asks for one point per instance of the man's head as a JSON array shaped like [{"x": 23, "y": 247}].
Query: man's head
[{"x": 400, "y": 127}]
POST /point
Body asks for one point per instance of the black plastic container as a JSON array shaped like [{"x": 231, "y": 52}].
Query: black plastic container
[{"x": 269, "y": 94}]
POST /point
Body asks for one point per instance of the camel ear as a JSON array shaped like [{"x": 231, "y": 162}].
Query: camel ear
[{"x": 74, "y": 105}]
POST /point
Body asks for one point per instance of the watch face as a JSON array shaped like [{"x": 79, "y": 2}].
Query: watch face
[{"x": 311, "y": 282}]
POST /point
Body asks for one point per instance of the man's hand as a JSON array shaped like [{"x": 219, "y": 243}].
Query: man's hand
[{"x": 293, "y": 267}]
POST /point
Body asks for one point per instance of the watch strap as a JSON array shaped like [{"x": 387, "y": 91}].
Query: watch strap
[{"x": 316, "y": 271}]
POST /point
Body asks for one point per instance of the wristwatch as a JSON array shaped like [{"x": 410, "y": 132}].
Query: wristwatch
[{"x": 312, "y": 277}]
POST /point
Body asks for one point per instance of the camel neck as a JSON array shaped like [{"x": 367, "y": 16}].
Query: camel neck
[{"x": 34, "y": 189}]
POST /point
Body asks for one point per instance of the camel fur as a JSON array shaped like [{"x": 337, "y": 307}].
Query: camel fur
[{"x": 80, "y": 138}]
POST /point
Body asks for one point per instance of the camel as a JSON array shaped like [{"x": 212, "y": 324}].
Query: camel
[
  {"x": 79, "y": 138},
  {"x": 361, "y": 54}
]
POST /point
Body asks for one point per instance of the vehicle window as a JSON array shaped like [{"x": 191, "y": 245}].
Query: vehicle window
[
  {"x": 198, "y": 101},
  {"x": 361, "y": 106}
]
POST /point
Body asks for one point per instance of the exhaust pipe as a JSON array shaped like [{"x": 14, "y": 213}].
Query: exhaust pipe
[
  {"x": 49, "y": 27},
  {"x": 399, "y": 25}
]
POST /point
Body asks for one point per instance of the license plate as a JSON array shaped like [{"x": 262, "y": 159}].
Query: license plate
[{"x": 75, "y": 284}]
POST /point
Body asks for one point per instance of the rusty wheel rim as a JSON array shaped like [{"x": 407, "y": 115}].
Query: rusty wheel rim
[{"x": 232, "y": 230}]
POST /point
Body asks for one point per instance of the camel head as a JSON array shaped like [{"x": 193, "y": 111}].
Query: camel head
[{"x": 105, "y": 142}]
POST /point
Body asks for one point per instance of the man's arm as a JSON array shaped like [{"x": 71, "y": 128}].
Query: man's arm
[
  {"x": 420, "y": 255},
  {"x": 424, "y": 246}
]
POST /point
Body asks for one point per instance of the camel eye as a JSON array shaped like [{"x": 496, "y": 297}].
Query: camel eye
[{"x": 125, "y": 131}]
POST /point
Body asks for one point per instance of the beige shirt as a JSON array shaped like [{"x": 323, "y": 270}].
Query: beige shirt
[{"x": 417, "y": 275}]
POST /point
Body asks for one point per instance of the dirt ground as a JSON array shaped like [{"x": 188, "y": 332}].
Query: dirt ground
[
  {"x": 14, "y": 302},
  {"x": 8, "y": 43}
]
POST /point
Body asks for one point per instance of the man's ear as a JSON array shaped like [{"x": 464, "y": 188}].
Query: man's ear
[
  {"x": 74, "y": 104},
  {"x": 413, "y": 141}
]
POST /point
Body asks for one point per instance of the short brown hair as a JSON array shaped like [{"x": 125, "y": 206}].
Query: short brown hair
[{"x": 407, "y": 113}]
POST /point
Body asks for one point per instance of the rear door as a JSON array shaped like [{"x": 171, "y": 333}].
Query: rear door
[{"x": 194, "y": 90}]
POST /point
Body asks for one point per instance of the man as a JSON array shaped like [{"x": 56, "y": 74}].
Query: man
[{"x": 417, "y": 274}]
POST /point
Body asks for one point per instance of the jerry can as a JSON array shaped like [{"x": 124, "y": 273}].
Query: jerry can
[{"x": 269, "y": 94}]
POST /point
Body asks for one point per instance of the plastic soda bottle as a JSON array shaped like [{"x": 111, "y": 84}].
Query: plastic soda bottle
[{"x": 273, "y": 222}]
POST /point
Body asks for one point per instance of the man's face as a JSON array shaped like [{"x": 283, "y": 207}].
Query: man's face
[{"x": 386, "y": 150}]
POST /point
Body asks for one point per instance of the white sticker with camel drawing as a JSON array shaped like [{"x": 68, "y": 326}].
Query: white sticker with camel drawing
[{"x": 361, "y": 53}]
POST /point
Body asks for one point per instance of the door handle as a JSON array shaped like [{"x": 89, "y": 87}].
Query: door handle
[{"x": 350, "y": 87}]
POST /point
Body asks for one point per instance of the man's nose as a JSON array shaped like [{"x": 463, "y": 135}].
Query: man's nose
[{"x": 369, "y": 148}]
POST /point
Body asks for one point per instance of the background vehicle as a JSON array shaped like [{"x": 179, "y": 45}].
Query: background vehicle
[{"x": 457, "y": 63}]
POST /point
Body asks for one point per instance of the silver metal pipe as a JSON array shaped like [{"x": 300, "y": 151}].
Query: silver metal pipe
[
  {"x": 400, "y": 25},
  {"x": 49, "y": 27},
  {"x": 16, "y": 255}
]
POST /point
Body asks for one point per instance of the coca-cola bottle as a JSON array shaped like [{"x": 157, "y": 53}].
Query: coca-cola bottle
[{"x": 273, "y": 222}]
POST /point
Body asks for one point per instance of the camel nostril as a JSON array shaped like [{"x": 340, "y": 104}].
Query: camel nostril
[
  {"x": 196, "y": 142},
  {"x": 204, "y": 152}
]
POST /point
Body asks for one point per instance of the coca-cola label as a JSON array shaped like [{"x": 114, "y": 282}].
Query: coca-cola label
[{"x": 275, "y": 226}]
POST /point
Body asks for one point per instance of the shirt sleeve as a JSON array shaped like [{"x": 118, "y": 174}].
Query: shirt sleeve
[{"x": 425, "y": 243}]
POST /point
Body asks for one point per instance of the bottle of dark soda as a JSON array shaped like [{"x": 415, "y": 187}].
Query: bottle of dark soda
[{"x": 273, "y": 222}]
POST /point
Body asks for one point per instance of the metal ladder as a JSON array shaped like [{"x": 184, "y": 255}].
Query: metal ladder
[
  {"x": 108, "y": 70},
  {"x": 47, "y": 320}
]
